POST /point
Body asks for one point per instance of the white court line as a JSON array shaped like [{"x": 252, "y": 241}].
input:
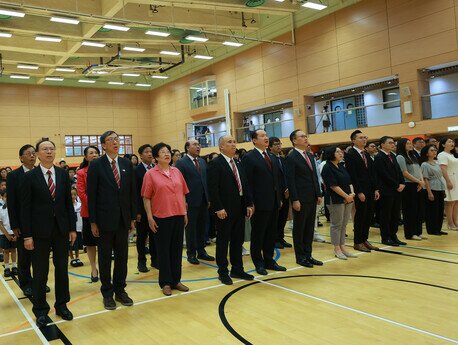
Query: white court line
[
  {"x": 26, "y": 314},
  {"x": 360, "y": 312}
]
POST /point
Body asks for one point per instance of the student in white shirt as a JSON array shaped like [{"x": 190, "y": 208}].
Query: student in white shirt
[
  {"x": 75, "y": 250},
  {"x": 7, "y": 239}
]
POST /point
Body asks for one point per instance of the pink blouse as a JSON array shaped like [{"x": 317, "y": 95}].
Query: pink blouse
[{"x": 166, "y": 192}]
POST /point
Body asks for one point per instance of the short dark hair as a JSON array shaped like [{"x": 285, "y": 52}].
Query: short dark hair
[
  {"x": 329, "y": 153},
  {"x": 292, "y": 136},
  {"x": 385, "y": 138},
  {"x": 415, "y": 140},
  {"x": 273, "y": 140},
  {"x": 25, "y": 148},
  {"x": 105, "y": 135},
  {"x": 429, "y": 139},
  {"x": 254, "y": 134},
  {"x": 424, "y": 152},
  {"x": 186, "y": 146},
  {"x": 143, "y": 148},
  {"x": 158, "y": 147},
  {"x": 41, "y": 141},
  {"x": 62, "y": 161},
  {"x": 85, "y": 162},
  {"x": 370, "y": 143},
  {"x": 353, "y": 135}
]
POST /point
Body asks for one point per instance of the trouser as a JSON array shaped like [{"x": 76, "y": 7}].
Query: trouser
[
  {"x": 412, "y": 210},
  {"x": 282, "y": 218},
  {"x": 303, "y": 228},
  {"x": 231, "y": 231},
  {"x": 195, "y": 230},
  {"x": 40, "y": 264},
  {"x": 169, "y": 244},
  {"x": 24, "y": 263},
  {"x": 363, "y": 218},
  {"x": 263, "y": 234},
  {"x": 389, "y": 215},
  {"x": 434, "y": 212},
  {"x": 340, "y": 214},
  {"x": 144, "y": 231},
  {"x": 113, "y": 242}
]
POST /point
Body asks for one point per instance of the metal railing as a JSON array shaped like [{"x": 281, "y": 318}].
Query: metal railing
[
  {"x": 441, "y": 104},
  {"x": 208, "y": 139},
  {"x": 279, "y": 129}
]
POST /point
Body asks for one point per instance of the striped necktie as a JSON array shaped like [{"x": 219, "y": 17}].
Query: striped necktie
[
  {"x": 115, "y": 173},
  {"x": 51, "y": 185}
]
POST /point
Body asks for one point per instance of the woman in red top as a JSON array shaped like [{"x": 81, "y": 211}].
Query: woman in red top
[
  {"x": 163, "y": 192},
  {"x": 90, "y": 153}
]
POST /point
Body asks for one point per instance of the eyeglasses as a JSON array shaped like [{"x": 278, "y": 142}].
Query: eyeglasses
[
  {"x": 29, "y": 154},
  {"x": 115, "y": 139},
  {"x": 48, "y": 149}
]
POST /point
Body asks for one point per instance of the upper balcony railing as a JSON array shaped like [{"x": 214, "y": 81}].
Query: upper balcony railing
[
  {"x": 208, "y": 139},
  {"x": 441, "y": 104},
  {"x": 279, "y": 129}
]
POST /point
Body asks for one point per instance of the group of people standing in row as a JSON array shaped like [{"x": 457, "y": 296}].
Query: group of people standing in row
[{"x": 162, "y": 201}]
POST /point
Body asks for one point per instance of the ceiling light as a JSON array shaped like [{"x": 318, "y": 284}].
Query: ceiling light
[
  {"x": 196, "y": 38},
  {"x": 54, "y": 78},
  {"x": 159, "y": 77},
  {"x": 23, "y": 66},
  {"x": 116, "y": 27},
  {"x": 143, "y": 85},
  {"x": 131, "y": 74},
  {"x": 12, "y": 13},
  {"x": 279, "y": 0},
  {"x": 314, "y": 6},
  {"x": 100, "y": 72},
  {"x": 48, "y": 38},
  {"x": 134, "y": 49},
  {"x": 65, "y": 69},
  {"x": 166, "y": 52},
  {"x": 154, "y": 8},
  {"x": 6, "y": 34},
  {"x": 19, "y": 76},
  {"x": 65, "y": 20},
  {"x": 93, "y": 44},
  {"x": 86, "y": 81},
  {"x": 232, "y": 44},
  {"x": 203, "y": 57},
  {"x": 157, "y": 33},
  {"x": 116, "y": 83}
]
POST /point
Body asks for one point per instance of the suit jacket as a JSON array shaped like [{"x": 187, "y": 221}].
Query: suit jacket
[
  {"x": 389, "y": 174},
  {"x": 39, "y": 211},
  {"x": 223, "y": 190},
  {"x": 14, "y": 182},
  {"x": 140, "y": 172},
  {"x": 302, "y": 181},
  {"x": 264, "y": 183},
  {"x": 417, "y": 156},
  {"x": 364, "y": 179},
  {"x": 106, "y": 202},
  {"x": 197, "y": 182}
]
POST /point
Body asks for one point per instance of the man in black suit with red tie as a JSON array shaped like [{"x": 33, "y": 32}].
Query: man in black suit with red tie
[
  {"x": 391, "y": 184},
  {"x": 304, "y": 191},
  {"x": 264, "y": 181},
  {"x": 112, "y": 205},
  {"x": 143, "y": 229},
  {"x": 230, "y": 199},
  {"x": 361, "y": 169},
  {"x": 48, "y": 221}
]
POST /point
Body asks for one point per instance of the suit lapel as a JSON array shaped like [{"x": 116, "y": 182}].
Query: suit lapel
[
  {"x": 108, "y": 171},
  {"x": 59, "y": 182},
  {"x": 228, "y": 169},
  {"x": 41, "y": 181}
]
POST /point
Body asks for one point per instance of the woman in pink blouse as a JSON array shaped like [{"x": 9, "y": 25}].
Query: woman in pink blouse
[{"x": 163, "y": 192}]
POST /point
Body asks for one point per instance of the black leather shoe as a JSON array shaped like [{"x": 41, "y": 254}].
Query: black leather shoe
[
  {"x": 193, "y": 260},
  {"x": 278, "y": 245},
  {"x": 7, "y": 272},
  {"x": 286, "y": 244},
  {"x": 155, "y": 265},
  {"x": 95, "y": 278},
  {"x": 206, "y": 257},
  {"x": 64, "y": 313},
  {"x": 124, "y": 299},
  {"x": 261, "y": 270},
  {"x": 315, "y": 262},
  {"x": 225, "y": 279},
  {"x": 276, "y": 267},
  {"x": 14, "y": 271},
  {"x": 396, "y": 240},
  {"x": 443, "y": 233},
  {"x": 242, "y": 275},
  {"x": 390, "y": 243},
  {"x": 27, "y": 292},
  {"x": 305, "y": 263},
  {"x": 109, "y": 303},
  {"x": 48, "y": 289},
  {"x": 43, "y": 320},
  {"x": 142, "y": 268}
]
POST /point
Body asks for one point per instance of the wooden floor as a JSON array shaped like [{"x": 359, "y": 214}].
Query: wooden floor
[{"x": 377, "y": 298}]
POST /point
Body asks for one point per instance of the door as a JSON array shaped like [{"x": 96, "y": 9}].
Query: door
[
  {"x": 350, "y": 115},
  {"x": 271, "y": 124},
  {"x": 338, "y": 117}
]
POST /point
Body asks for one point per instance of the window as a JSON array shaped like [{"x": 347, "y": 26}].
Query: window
[
  {"x": 391, "y": 95},
  {"x": 75, "y": 144},
  {"x": 203, "y": 94}
]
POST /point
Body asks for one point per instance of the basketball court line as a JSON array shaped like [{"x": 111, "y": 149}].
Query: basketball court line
[{"x": 359, "y": 312}]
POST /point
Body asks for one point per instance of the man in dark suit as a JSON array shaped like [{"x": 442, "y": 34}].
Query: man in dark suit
[
  {"x": 304, "y": 191},
  {"x": 418, "y": 144},
  {"x": 143, "y": 229},
  {"x": 275, "y": 149},
  {"x": 391, "y": 184},
  {"x": 263, "y": 176},
  {"x": 230, "y": 199},
  {"x": 48, "y": 221},
  {"x": 194, "y": 171},
  {"x": 112, "y": 205},
  {"x": 361, "y": 169}
]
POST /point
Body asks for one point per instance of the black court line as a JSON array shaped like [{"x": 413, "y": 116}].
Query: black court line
[{"x": 222, "y": 305}]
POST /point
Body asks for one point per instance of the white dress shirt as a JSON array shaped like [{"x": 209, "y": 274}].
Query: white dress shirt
[
  {"x": 228, "y": 160},
  {"x": 117, "y": 165},
  {"x": 46, "y": 177}
]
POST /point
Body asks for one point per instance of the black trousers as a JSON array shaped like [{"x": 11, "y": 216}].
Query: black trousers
[
  {"x": 363, "y": 218},
  {"x": 282, "y": 218},
  {"x": 116, "y": 242},
  {"x": 412, "y": 210},
  {"x": 389, "y": 215},
  {"x": 434, "y": 212},
  {"x": 40, "y": 264},
  {"x": 169, "y": 245},
  {"x": 24, "y": 264},
  {"x": 263, "y": 235},
  {"x": 211, "y": 224},
  {"x": 144, "y": 231},
  {"x": 231, "y": 234},
  {"x": 303, "y": 228},
  {"x": 195, "y": 230}
]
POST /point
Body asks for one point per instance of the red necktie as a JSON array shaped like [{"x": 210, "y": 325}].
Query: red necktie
[
  {"x": 307, "y": 159},
  {"x": 267, "y": 159},
  {"x": 363, "y": 156},
  {"x": 51, "y": 185},
  {"x": 234, "y": 170},
  {"x": 115, "y": 173},
  {"x": 196, "y": 162},
  {"x": 149, "y": 167},
  {"x": 391, "y": 158}
]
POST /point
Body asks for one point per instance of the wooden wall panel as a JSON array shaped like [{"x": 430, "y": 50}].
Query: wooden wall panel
[
  {"x": 361, "y": 28},
  {"x": 366, "y": 63},
  {"x": 359, "y": 11},
  {"x": 406, "y": 11},
  {"x": 364, "y": 45}
]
